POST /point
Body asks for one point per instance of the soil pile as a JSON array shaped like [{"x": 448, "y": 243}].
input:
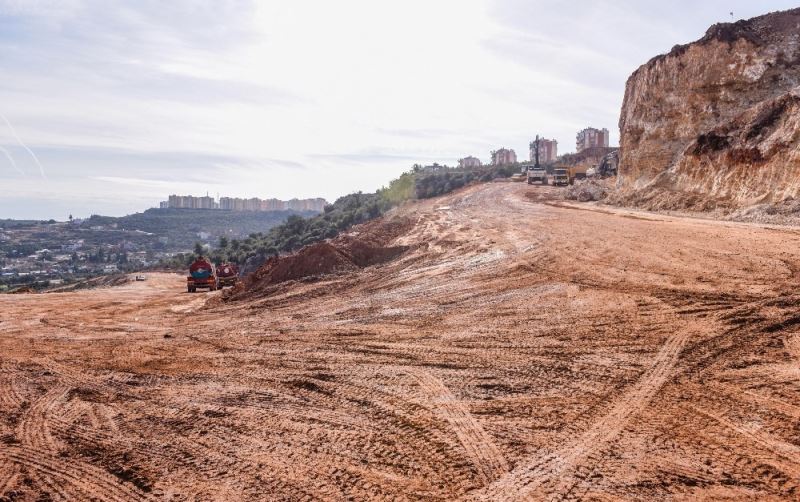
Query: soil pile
[
  {"x": 367, "y": 244},
  {"x": 713, "y": 125}
]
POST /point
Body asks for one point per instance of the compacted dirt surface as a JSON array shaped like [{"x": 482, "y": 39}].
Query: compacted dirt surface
[{"x": 520, "y": 348}]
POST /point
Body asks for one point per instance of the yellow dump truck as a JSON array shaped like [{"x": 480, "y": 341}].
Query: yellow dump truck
[
  {"x": 566, "y": 175},
  {"x": 561, "y": 176},
  {"x": 577, "y": 173}
]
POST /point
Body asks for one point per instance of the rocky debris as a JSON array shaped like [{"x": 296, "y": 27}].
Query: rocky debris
[
  {"x": 587, "y": 190},
  {"x": 786, "y": 212},
  {"x": 713, "y": 125},
  {"x": 367, "y": 244}
]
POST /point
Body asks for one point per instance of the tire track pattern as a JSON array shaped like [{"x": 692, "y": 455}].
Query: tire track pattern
[
  {"x": 66, "y": 477},
  {"x": 480, "y": 448},
  {"x": 559, "y": 466}
]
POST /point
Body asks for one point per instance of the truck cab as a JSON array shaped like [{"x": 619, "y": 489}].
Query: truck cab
[
  {"x": 561, "y": 177},
  {"x": 537, "y": 174}
]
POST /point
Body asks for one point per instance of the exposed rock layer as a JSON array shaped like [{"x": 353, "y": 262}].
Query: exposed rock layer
[{"x": 715, "y": 124}]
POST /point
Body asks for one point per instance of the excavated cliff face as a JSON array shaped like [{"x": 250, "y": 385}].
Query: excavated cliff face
[{"x": 715, "y": 124}]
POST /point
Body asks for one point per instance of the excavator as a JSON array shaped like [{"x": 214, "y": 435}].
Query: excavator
[{"x": 608, "y": 166}]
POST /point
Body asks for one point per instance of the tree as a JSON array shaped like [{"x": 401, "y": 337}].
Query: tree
[
  {"x": 223, "y": 242},
  {"x": 198, "y": 248}
]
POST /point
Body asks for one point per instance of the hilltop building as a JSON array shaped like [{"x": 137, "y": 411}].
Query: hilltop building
[
  {"x": 238, "y": 204},
  {"x": 548, "y": 150},
  {"x": 469, "y": 162},
  {"x": 504, "y": 156},
  {"x": 591, "y": 138},
  {"x": 191, "y": 202}
]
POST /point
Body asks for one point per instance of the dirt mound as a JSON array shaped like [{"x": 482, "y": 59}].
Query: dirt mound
[
  {"x": 366, "y": 245},
  {"x": 713, "y": 125},
  {"x": 317, "y": 259}
]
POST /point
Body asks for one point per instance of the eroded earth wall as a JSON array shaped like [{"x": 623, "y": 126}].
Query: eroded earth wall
[{"x": 715, "y": 124}]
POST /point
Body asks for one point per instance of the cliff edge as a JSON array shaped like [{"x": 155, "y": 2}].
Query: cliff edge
[{"x": 715, "y": 124}]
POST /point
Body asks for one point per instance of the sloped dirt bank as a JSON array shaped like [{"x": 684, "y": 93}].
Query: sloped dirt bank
[{"x": 365, "y": 245}]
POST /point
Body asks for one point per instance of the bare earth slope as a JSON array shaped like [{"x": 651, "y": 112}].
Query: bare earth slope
[
  {"x": 716, "y": 124},
  {"x": 519, "y": 349}
]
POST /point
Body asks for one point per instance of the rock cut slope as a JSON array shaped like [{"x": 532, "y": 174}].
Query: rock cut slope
[{"x": 715, "y": 124}]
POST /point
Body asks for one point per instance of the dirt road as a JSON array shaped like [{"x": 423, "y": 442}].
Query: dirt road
[{"x": 522, "y": 349}]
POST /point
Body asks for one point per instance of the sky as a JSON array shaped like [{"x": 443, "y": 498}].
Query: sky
[{"x": 107, "y": 107}]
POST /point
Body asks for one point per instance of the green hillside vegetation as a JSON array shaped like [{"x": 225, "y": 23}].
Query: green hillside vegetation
[
  {"x": 9, "y": 224},
  {"x": 181, "y": 227},
  {"x": 296, "y": 232}
]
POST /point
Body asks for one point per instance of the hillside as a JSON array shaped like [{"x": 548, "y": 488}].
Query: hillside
[
  {"x": 505, "y": 346},
  {"x": 713, "y": 125},
  {"x": 45, "y": 253},
  {"x": 181, "y": 228}
]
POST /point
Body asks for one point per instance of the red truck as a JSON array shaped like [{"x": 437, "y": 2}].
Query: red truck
[
  {"x": 228, "y": 274},
  {"x": 202, "y": 274}
]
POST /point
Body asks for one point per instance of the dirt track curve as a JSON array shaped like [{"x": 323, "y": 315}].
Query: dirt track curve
[{"x": 522, "y": 349}]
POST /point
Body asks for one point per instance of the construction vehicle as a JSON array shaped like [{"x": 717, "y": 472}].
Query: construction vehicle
[
  {"x": 537, "y": 174},
  {"x": 561, "y": 177},
  {"x": 577, "y": 172},
  {"x": 202, "y": 275},
  {"x": 227, "y": 274},
  {"x": 608, "y": 166}
]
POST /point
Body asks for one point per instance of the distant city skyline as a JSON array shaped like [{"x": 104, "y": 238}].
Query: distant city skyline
[
  {"x": 106, "y": 104},
  {"x": 241, "y": 204}
]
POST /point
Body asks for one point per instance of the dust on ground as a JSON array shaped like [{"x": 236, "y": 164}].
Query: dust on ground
[{"x": 520, "y": 347}]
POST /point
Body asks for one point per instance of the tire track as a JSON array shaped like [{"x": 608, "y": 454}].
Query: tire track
[
  {"x": 559, "y": 466},
  {"x": 71, "y": 479},
  {"x": 480, "y": 447},
  {"x": 33, "y": 430},
  {"x": 9, "y": 397},
  {"x": 8, "y": 476},
  {"x": 40, "y": 451},
  {"x": 788, "y": 453}
]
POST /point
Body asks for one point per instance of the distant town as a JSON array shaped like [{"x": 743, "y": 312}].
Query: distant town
[
  {"x": 589, "y": 139},
  {"x": 239, "y": 204},
  {"x": 41, "y": 254}
]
